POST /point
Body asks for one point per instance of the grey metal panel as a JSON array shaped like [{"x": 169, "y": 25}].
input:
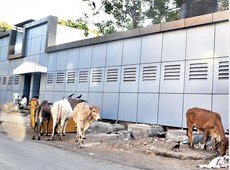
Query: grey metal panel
[
  {"x": 3, "y": 53},
  {"x": 221, "y": 40},
  {"x": 58, "y": 96},
  {"x": 147, "y": 108},
  {"x": 130, "y": 78},
  {"x": 71, "y": 80},
  {"x": 96, "y": 80},
  {"x": 114, "y": 53},
  {"x": 172, "y": 77},
  {"x": 112, "y": 79},
  {"x": 9, "y": 96},
  {"x": 195, "y": 100},
  {"x": 170, "y": 110},
  {"x": 170, "y": 50},
  {"x": 43, "y": 58},
  {"x": 52, "y": 60},
  {"x": 62, "y": 60},
  {"x": 149, "y": 77},
  {"x": 151, "y": 48},
  {"x": 110, "y": 106},
  {"x": 128, "y": 107},
  {"x": 200, "y": 42},
  {"x": 2, "y": 96},
  {"x": 43, "y": 82},
  {"x": 73, "y": 56},
  {"x": 198, "y": 77},
  {"x": 43, "y": 44},
  {"x": 221, "y": 105},
  {"x": 98, "y": 55},
  {"x": 131, "y": 51},
  {"x": 83, "y": 79},
  {"x": 221, "y": 75},
  {"x": 85, "y": 57},
  {"x": 95, "y": 99},
  {"x": 28, "y": 47},
  {"x": 49, "y": 96},
  {"x": 35, "y": 46},
  {"x": 35, "y": 58}
]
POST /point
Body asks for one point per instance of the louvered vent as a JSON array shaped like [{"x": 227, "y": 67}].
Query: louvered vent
[
  {"x": 223, "y": 70},
  {"x": 4, "y": 80},
  {"x": 112, "y": 75},
  {"x": 149, "y": 73},
  {"x": 71, "y": 77},
  {"x": 16, "y": 80},
  {"x": 83, "y": 76},
  {"x": 97, "y": 76},
  {"x": 172, "y": 72},
  {"x": 10, "y": 80},
  {"x": 50, "y": 78},
  {"x": 60, "y": 78},
  {"x": 130, "y": 74},
  {"x": 198, "y": 71}
]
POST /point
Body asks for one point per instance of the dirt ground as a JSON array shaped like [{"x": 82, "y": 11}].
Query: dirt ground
[{"x": 141, "y": 152}]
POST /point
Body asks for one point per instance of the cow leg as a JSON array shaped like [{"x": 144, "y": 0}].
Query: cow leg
[
  {"x": 54, "y": 128},
  {"x": 40, "y": 122},
  {"x": 34, "y": 131},
  {"x": 47, "y": 126},
  {"x": 189, "y": 132},
  {"x": 61, "y": 128},
  {"x": 64, "y": 127},
  {"x": 206, "y": 133}
]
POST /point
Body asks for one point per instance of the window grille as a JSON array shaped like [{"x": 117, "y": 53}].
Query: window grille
[
  {"x": 4, "y": 80},
  {"x": 10, "y": 80},
  {"x": 97, "y": 76},
  {"x": 112, "y": 75},
  {"x": 198, "y": 71},
  {"x": 130, "y": 74},
  {"x": 172, "y": 72},
  {"x": 83, "y": 76},
  {"x": 60, "y": 78},
  {"x": 149, "y": 73},
  {"x": 16, "y": 80},
  {"x": 50, "y": 78},
  {"x": 71, "y": 77},
  {"x": 223, "y": 70}
]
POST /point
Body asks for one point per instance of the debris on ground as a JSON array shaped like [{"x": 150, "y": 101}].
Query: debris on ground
[{"x": 218, "y": 162}]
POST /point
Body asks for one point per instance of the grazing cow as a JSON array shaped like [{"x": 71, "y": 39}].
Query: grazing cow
[
  {"x": 42, "y": 113},
  {"x": 208, "y": 121},
  {"x": 84, "y": 115},
  {"x": 61, "y": 113}
]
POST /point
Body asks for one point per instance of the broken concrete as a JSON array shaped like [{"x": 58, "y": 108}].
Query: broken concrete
[
  {"x": 104, "y": 127},
  {"x": 145, "y": 130}
]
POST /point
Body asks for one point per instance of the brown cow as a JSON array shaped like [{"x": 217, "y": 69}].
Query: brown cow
[
  {"x": 84, "y": 115},
  {"x": 208, "y": 121}
]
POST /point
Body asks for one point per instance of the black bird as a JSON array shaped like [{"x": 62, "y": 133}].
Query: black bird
[
  {"x": 177, "y": 146},
  {"x": 130, "y": 136}
]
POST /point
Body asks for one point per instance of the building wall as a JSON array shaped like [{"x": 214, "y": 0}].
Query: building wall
[{"x": 152, "y": 78}]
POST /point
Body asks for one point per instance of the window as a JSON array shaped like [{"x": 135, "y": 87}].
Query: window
[
  {"x": 112, "y": 75},
  {"x": 71, "y": 77},
  {"x": 16, "y": 80},
  {"x": 50, "y": 78},
  {"x": 149, "y": 73},
  {"x": 4, "y": 80},
  {"x": 172, "y": 72},
  {"x": 223, "y": 70},
  {"x": 130, "y": 74},
  {"x": 198, "y": 71},
  {"x": 83, "y": 76},
  {"x": 60, "y": 78},
  {"x": 97, "y": 76},
  {"x": 10, "y": 80}
]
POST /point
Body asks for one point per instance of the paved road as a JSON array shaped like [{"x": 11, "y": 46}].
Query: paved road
[{"x": 28, "y": 155}]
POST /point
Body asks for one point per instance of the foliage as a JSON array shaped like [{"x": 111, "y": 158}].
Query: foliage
[
  {"x": 4, "y": 27},
  {"x": 80, "y": 23},
  {"x": 223, "y": 5}
]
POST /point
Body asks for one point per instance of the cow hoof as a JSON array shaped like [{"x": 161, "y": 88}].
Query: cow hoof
[
  {"x": 39, "y": 138},
  {"x": 33, "y": 137},
  {"x": 64, "y": 134}
]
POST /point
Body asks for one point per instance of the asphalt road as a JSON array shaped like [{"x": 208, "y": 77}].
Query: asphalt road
[{"x": 28, "y": 155}]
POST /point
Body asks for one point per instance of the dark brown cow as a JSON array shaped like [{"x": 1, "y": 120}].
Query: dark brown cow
[
  {"x": 208, "y": 121},
  {"x": 42, "y": 113}
]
